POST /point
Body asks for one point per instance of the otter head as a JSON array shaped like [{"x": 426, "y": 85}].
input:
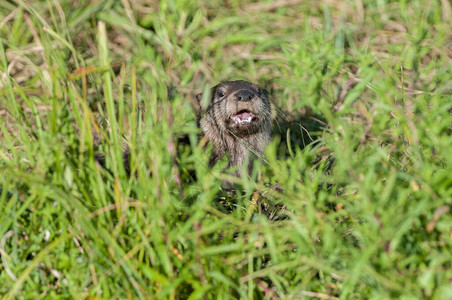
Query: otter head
[
  {"x": 237, "y": 121},
  {"x": 237, "y": 108}
]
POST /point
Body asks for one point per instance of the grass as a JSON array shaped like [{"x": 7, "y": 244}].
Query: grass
[{"x": 355, "y": 194}]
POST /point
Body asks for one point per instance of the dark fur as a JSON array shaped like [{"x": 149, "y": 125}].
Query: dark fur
[{"x": 241, "y": 143}]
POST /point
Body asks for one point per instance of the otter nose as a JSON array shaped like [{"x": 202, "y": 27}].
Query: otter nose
[{"x": 244, "y": 95}]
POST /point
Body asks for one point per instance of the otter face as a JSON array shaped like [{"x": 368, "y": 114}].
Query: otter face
[{"x": 239, "y": 108}]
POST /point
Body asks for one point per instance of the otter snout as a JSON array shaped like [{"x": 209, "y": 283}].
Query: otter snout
[{"x": 244, "y": 95}]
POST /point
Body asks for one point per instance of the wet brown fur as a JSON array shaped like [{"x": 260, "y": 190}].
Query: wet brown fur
[{"x": 241, "y": 143}]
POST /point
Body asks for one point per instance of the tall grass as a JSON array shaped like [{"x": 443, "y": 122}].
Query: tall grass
[{"x": 354, "y": 197}]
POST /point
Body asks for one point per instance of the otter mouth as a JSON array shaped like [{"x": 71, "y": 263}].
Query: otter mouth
[{"x": 243, "y": 118}]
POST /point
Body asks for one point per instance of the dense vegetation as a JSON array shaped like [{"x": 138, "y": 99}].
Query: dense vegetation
[{"x": 354, "y": 196}]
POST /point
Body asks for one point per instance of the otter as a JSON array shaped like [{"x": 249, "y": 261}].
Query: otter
[{"x": 237, "y": 121}]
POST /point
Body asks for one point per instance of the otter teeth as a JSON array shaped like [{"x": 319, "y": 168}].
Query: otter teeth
[
  {"x": 243, "y": 118},
  {"x": 241, "y": 121}
]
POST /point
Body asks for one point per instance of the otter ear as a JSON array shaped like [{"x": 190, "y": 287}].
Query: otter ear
[
  {"x": 201, "y": 103},
  {"x": 265, "y": 92},
  {"x": 199, "y": 98},
  {"x": 203, "y": 98},
  {"x": 197, "y": 106}
]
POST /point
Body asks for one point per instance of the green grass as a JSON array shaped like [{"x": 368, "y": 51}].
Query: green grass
[{"x": 362, "y": 150}]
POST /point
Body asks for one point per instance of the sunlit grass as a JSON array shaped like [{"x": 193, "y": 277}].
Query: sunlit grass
[{"x": 354, "y": 194}]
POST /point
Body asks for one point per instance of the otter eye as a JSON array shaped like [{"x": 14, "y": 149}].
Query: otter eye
[
  {"x": 221, "y": 93},
  {"x": 259, "y": 91}
]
